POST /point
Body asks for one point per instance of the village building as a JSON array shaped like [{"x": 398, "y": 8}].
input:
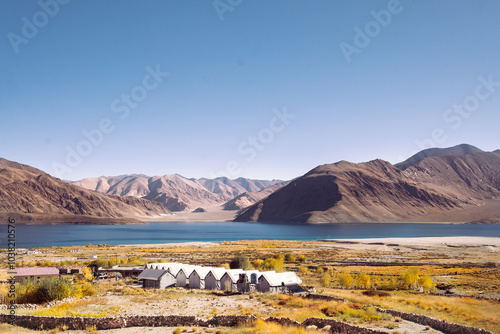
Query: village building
[
  {"x": 32, "y": 251},
  {"x": 212, "y": 280},
  {"x": 157, "y": 279},
  {"x": 197, "y": 277},
  {"x": 35, "y": 273},
  {"x": 183, "y": 274},
  {"x": 123, "y": 271},
  {"x": 247, "y": 281},
  {"x": 174, "y": 269},
  {"x": 63, "y": 271},
  {"x": 277, "y": 282},
  {"x": 228, "y": 281},
  {"x": 164, "y": 265}
]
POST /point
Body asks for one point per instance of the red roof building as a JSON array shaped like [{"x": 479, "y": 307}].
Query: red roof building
[{"x": 35, "y": 273}]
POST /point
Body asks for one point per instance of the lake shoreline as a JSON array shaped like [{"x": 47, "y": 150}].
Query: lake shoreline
[
  {"x": 218, "y": 231},
  {"x": 470, "y": 241},
  {"x": 473, "y": 241}
]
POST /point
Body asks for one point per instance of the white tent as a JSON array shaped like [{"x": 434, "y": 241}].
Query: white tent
[
  {"x": 229, "y": 279},
  {"x": 197, "y": 277},
  {"x": 156, "y": 278},
  {"x": 277, "y": 282},
  {"x": 212, "y": 280}
]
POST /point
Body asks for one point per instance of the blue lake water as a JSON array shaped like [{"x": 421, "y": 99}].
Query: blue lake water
[{"x": 67, "y": 235}]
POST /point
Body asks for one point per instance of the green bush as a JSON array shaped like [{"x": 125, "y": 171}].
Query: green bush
[
  {"x": 289, "y": 257},
  {"x": 44, "y": 291},
  {"x": 239, "y": 262}
]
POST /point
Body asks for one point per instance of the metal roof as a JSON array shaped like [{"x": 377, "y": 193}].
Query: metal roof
[
  {"x": 151, "y": 274},
  {"x": 201, "y": 271},
  {"x": 36, "y": 271},
  {"x": 218, "y": 272},
  {"x": 277, "y": 279},
  {"x": 234, "y": 274}
]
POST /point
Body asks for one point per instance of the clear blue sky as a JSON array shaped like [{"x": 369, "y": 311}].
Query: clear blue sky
[{"x": 228, "y": 77}]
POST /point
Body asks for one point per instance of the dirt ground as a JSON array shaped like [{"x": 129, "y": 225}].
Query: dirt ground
[{"x": 467, "y": 265}]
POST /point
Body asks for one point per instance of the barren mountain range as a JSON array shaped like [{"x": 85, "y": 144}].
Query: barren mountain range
[
  {"x": 458, "y": 184},
  {"x": 248, "y": 198},
  {"x": 177, "y": 192},
  {"x": 34, "y": 196}
]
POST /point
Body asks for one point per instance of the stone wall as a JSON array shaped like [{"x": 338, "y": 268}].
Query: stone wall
[
  {"x": 437, "y": 324},
  {"x": 326, "y": 298},
  {"x": 339, "y": 327},
  {"x": 333, "y": 326},
  {"x": 80, "y": 323}
]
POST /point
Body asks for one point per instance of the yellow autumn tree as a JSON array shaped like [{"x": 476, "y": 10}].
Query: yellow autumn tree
[
  {"x": 410, "y": 278},
  {"x": 325, "y": 279},
  {"x": 257, "y": 263},
  {"x": 426, "y": 283},
  {"x": 363, "y": 281},
  {"x": 345, "y": 279}
]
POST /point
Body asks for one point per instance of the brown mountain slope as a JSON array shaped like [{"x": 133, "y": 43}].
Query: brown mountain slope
[
  {"x": 179, "y": 193},
  {"x": 123, "y": 185},
  {"x": 461, "y": 149},
  {"x": 175, "y": 191},
  {"x": 248, "y": 198},
  {"x": 30, "y": 191},
  {"x": 469, "y": 177},
  {"x": 375, "y": 191},
  {"x": 473, "y": 178}
]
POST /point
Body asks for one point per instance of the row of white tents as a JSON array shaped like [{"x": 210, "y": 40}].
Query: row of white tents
[{"x": 165, "y": 275}]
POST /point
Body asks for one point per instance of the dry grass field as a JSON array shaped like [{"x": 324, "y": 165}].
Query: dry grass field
[{"x": 457, "y": 277}]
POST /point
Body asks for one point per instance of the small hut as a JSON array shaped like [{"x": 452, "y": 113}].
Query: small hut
[
  {"x": 157, "y": 279},
  {"x": 247, "y": 281},
  {"x": 212, "y": 280},
  {"x": 197, "y": 277},
  {"x": 228, "y": 281},
  {"x": 183, "y": 274},
  {"x": 277, "y": 282}
]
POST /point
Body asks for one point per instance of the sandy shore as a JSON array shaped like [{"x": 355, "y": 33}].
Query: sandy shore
[
  {"x": 424, "y": 241},
  {"x": 174, "y": 244},
  {"x": 427, "y": 241},
  {"x": 214, "y": 213}
]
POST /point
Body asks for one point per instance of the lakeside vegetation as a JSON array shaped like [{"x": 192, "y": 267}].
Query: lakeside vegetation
[{"x": 361, "y": 276}]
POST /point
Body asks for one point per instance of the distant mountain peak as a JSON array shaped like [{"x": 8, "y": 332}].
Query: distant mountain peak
[
  {"x": 16, "y": 165},
  {"x": 439, "y": 152},
  {"x": 459, "y": 184},
  {"x": 29, "y": 191},
  {"x": 175, "y": 191}
]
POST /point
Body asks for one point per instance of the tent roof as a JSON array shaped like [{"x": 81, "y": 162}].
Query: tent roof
[
  {"x": 151, "y": 274},
  {"x": 218, "y": 272},
  {"x": 277, "y": 279},
  {"x": 201, "y": 271},
  {"x": 234, "y": 274}
]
